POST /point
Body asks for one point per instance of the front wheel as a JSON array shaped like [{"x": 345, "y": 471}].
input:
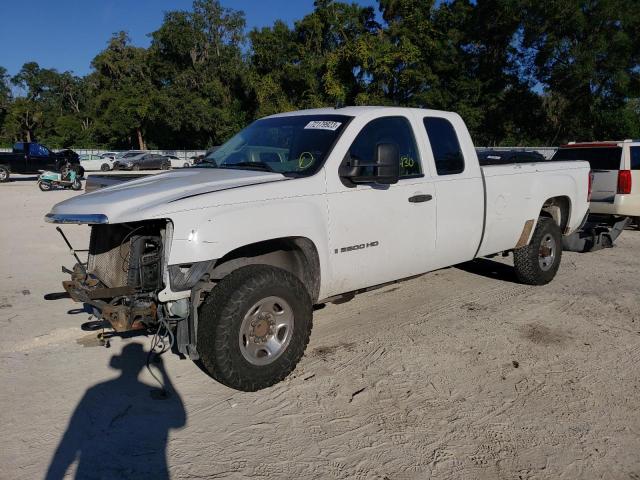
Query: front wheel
[
  {"x": 76, "y": 185},
  {"x": 135, "y": 168},
  {"x": 538, "y": 262},
  {"x": 4, "y": 174},
  {"x": 105, "y": 167},
  {"x": 44, "y": 186},
  {"x": 254, "y": 327}
]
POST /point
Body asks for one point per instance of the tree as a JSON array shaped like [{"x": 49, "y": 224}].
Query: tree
[
  {"x": 5, "y": 99},
  {"x": 518, "y": 71},
  {"x": 197, "y": 59},
  {"x": 126, "y": 95},
  {"x": 586, "y": 54}
]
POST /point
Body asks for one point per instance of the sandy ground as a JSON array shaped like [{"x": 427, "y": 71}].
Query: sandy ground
[{"x": 461, "y": 373}]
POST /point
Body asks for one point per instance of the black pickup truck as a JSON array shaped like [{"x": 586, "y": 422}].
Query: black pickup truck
[{"x": 33, "y": 157}]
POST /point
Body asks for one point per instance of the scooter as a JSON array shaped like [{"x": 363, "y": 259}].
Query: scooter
[{"x": 65, "y": 179}]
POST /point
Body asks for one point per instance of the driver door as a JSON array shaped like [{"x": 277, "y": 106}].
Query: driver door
[
  {"x": 381, "y": 233},
  {"x": 40, "y": 158}
]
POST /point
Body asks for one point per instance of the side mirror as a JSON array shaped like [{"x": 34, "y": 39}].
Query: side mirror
[
  {"x": 388, "y": 161},
  {"x": 385, "y": 168}
]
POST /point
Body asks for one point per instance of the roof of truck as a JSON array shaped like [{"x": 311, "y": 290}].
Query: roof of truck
[{"x": 355, "y": 111}]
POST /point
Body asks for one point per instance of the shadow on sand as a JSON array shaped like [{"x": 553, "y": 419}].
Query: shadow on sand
[
  {"x": 120, "y": 427},
  {"x": 490, "y": 269}
]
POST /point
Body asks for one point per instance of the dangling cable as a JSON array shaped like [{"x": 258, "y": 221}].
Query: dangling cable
[{"x": 162, "y": 341}]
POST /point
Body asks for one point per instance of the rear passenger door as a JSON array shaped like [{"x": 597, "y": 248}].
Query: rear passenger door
[
  {"x": 147, "y": 162},
  {"x": 459, "y": 189}
]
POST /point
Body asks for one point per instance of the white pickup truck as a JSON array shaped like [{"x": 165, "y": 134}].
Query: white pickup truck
[{"x": 305, "y": 208}]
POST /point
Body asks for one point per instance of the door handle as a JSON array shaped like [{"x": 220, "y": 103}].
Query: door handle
[{"x": 420, "y": 198}]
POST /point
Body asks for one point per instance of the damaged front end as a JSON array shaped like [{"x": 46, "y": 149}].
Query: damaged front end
[{"x": 123, "y": 273}]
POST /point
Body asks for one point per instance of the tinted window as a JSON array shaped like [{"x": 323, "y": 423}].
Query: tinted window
[
  {"x": 635, "y": 158},
  {"x": 396, "y": 130},
  {"x": 600, "y": 158},
  {"x": 445, "y": 146},
  {"x": 38, "y": 150},
  {"x": 18, "y": 147}
]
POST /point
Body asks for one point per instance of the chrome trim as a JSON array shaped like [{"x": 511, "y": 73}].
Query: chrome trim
[{"x": 91, "y": 218}]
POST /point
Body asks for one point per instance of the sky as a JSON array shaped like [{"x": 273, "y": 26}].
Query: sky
[{"x": 67, "y": 34}]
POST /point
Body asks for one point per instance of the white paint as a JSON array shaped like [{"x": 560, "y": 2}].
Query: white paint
[{"x": 232, "y": 208}]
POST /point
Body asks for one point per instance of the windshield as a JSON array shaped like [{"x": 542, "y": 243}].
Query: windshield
[{"x": 295, "y": 146}]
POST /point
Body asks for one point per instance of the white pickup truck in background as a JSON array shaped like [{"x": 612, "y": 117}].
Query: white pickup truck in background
[{"x": 304, "y": 208}]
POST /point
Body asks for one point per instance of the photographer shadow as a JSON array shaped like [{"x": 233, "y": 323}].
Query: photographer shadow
[{"x": 120, "y": 428}]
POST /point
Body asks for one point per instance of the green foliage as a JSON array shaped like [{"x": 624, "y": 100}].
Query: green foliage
[{"x": 520, "y": 72}]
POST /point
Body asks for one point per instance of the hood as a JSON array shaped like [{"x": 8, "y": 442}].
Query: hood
[{"x": 135, "y": 199}]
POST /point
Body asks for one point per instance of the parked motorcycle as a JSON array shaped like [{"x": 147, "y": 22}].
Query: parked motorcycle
[{"x": 66, "y": 179}]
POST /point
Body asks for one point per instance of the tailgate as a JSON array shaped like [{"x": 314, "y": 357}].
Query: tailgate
[
  {"x": 605, "y": 162},
  {"x": 605, "y": 185}
]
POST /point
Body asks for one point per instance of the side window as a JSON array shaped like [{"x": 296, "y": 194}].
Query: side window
[
  {"x": 38, "y": 150},
  {"x": 635, "y": 158},
  {"x": 388, "y": 130},
  {"x": 18, "y": 147},
  {"x": 445, "y": 146}
]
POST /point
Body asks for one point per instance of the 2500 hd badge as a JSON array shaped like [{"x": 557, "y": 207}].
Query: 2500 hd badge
[{"x": 356, "y": 247}]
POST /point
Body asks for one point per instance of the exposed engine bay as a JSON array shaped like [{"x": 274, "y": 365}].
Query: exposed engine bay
[{"x": 123, "y": 274}]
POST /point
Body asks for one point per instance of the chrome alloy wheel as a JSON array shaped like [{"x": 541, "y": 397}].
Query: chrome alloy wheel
[
  {"x": 547, "y": 252},
  {"x": 266, "y": 331}
]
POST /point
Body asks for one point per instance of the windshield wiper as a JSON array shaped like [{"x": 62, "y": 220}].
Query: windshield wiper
[{"x": 250, "y": 166}]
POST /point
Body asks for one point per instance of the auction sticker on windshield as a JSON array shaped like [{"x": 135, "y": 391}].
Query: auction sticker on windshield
[{"x": 323, "y": 125}]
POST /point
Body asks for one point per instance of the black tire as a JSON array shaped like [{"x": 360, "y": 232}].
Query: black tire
[
  {"x": 220, "y": 321},
  {"x": 165, "y": 166},
  {"x": 105, "y": 167},
  {"x": 528, "y": 261},
  {"x": 136, "y": 167},
  {"x": 76, "y": 185},
  {"x": 80, "y": 171},
  {"x": 5, "y": 173},
  {"x": 44, "y": 186},
  {"x": 185, "y": 165}
]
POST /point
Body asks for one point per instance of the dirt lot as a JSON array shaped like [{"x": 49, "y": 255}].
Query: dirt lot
[{"x": 461, "y": 373}]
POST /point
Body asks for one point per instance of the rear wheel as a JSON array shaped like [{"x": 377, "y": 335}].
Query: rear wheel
[
  {"x": 105, "y": 167},
  {"x": 185, "y": 165},
  {"x": 165, "y": 166},
  {"x": 4, "y": 174},
  {"x": 538, "y": 262},
  {"x": 76, "y": 185},
  {"x": 254, "y": 327},
  {"x": 135, "y": 167}
]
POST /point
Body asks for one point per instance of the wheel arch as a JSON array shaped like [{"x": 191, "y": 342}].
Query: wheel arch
[
  {"x": 559, "y": 209},
  {"x": 297, "y": 255}
]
